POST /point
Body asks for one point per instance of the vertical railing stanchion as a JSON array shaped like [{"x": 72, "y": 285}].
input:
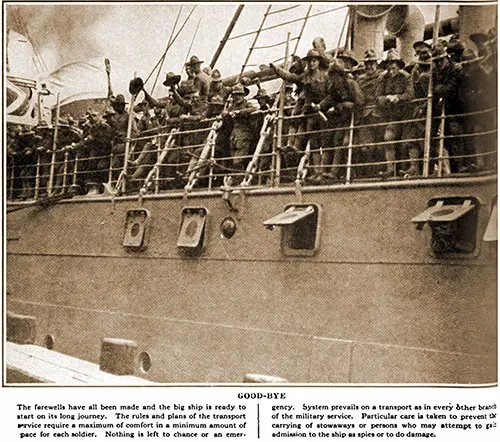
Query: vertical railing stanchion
[
  {"x": 273, "y": 156},
  {"x": 157, "y": 173},
  {"x": 37, "y": 176},
  {"x": 127, "y": 142},
  {"x": 54, "y": 148},
  {"x": 349, "y": 149},
  {"x": 428, "y": 128},
  {"x": 211, "y": 167},
  {"x": 74, "y": 181},
  {"x": 110, "y": 171},
  {"x": 428, "y": 119},
  {"x": 281, "y": 114},
  {"x": 65, "y": 171},
  {"x": 11, "y": 184},
  {"x": 441, "y": 142}
]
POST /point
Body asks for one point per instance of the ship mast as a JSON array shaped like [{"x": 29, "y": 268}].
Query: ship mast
[{"x": 226, "y": 35}]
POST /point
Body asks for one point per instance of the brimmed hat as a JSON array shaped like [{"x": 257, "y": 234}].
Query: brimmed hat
[
  {"x": 297, "y": 65},
  {"x": 171, "y": 79},
  {"x": 480, "y": 38},
  {"x": 439, "y": 52},
  {"x": 119, "y": 99},
  {"x": 421, "y": 45},
  {"x": 261, "y": 93},
  {"x": 392, "y": 57},
  {"x": 455, "y": 46},
  {"x": 239, "y": 89},
  {"x": 337, "y": 66},
  {"x": 135, "y": 86},
  {"x": 193, "y": 60},
  {"x": 216, "y": 76},
  {"x": 425, "y": 57},
  {"x": 349, "y": 58},
  {"x": 312, "y": 53},
  {"x": 370, "y": 55}
]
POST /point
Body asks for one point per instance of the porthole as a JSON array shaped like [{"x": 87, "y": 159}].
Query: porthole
[
  {"x": 145, "y": 362},
  {"x": 48, "y": 342}
]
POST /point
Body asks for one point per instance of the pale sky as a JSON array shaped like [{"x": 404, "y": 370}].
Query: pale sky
[{"x": 134, "y": 36}]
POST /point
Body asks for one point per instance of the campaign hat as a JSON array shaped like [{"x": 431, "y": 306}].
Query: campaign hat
[
  {"x": 171, "y": 79},
  {"x": 193, "y": 60},
  {"x": 312, "y": 53},
  {"x": 392, "y": 56}
]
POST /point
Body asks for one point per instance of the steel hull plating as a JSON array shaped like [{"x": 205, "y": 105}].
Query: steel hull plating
[{"x": 373, "y": 305}]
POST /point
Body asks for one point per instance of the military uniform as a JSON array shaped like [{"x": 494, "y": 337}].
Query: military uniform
[
  {"x": 369, "y": 133},
  {"x": 344, "y": 97},
  {"x": 314, "y": 85},
  {"x": 393, "y": 95},
  {"x": 446, "y": 82},
  {"x": 242, "y": 139}
]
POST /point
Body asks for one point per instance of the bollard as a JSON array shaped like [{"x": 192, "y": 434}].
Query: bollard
[
  {"x": 21, "y": 329},
  {"x": 263, "y": 379},
  {"x": 118, "y": 356}
]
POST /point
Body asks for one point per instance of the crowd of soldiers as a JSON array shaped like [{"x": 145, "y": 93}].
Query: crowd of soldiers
[{"x": 325, "y": 96}]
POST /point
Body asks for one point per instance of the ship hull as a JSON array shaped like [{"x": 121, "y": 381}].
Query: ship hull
[{"x": 373, "y": 305}]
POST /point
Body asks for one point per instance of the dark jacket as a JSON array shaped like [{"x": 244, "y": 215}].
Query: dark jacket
[
  {"x": 314, "y": 84},
  {"x": 400, "y": 86},
  {"x": 343, "y": 99}
]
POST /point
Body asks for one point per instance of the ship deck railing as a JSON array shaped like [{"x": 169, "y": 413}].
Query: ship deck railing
[{"x": 203, "y": 166}]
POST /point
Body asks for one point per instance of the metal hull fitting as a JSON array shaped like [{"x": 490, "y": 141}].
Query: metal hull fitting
[{"x": 373, "y": 305}]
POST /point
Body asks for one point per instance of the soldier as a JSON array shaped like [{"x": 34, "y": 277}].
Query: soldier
[
  {"x": 349, "y": 59},
  {"x": 455, "y": 49},
  {"x": 27, "y": 142},
  {"x": 475, "y": 98},
  {"x": 420, "y": 86},
  {"x": 369, "y": 133},
  {"x": 14, "y": 158},
  {"x": 242, "y": 134},
  {"x": 193, "y": 109},
  {"x": 263, "y": 99},
  {"x": 217, "y": 88},
  {"x": 119, "y": 123},
  {"x": 314, "y": 81},
  {"x": 96, "y": 150},
  {"x": 43, "y": 154},
  {"x": 446, "y": 81},
  {"x": 201, "y": 79},
  {"x": 344, "y": 97},
  {"x": 392, "y": 95}
]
